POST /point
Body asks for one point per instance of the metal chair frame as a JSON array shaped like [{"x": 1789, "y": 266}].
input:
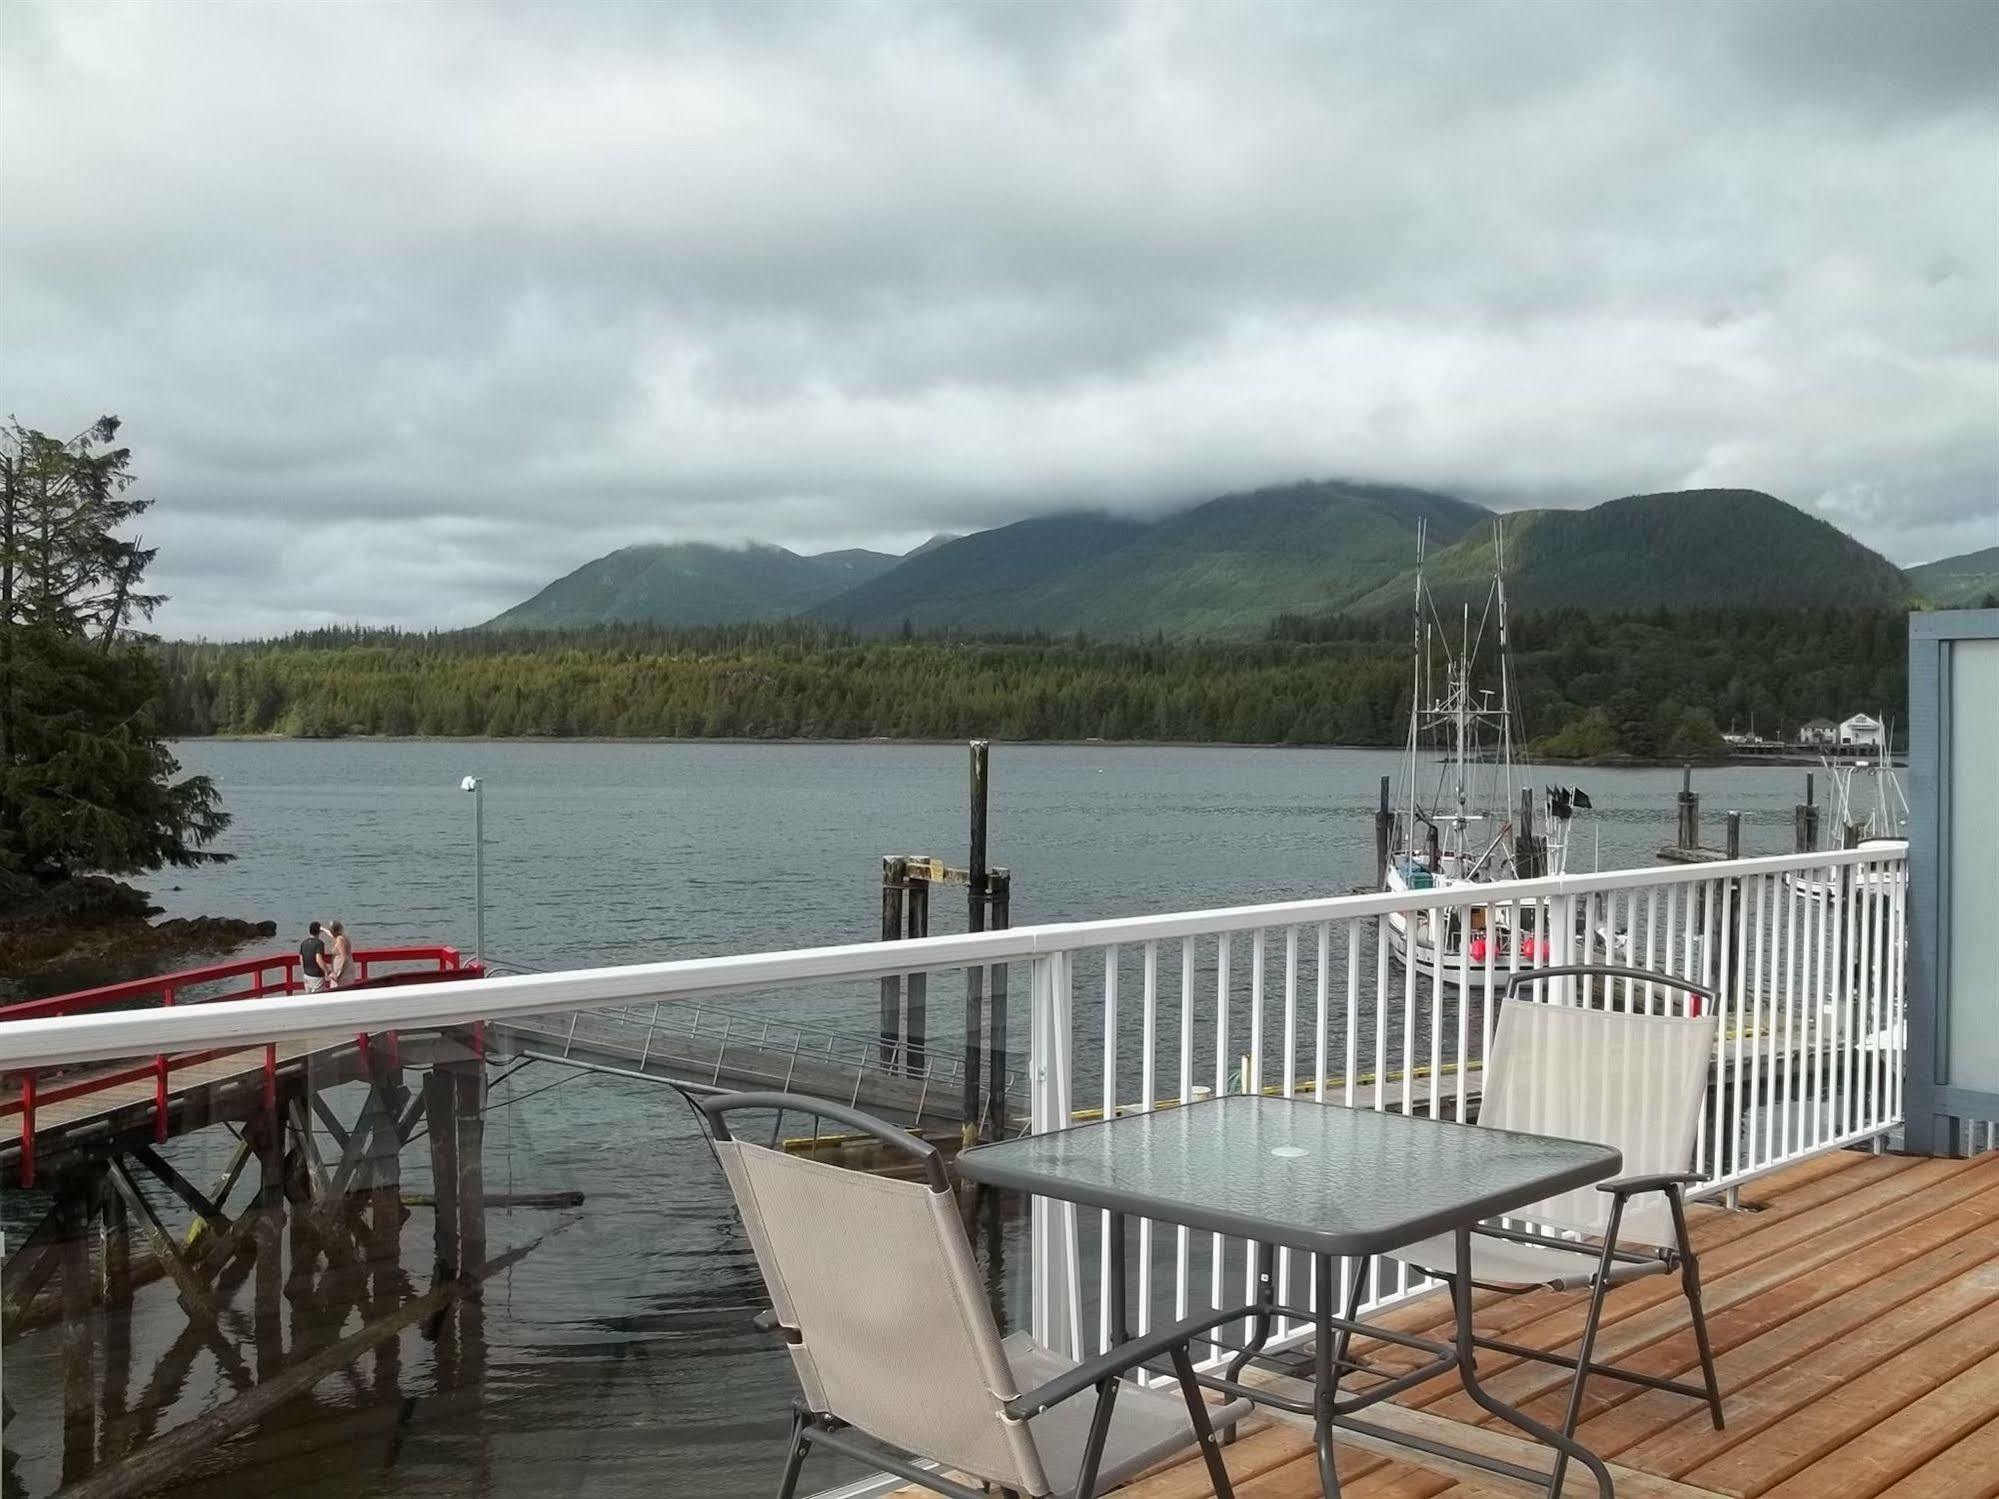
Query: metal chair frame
[
  {"x": 1679, "y": 1256},
  {"x": 1103, "y": 1374}
]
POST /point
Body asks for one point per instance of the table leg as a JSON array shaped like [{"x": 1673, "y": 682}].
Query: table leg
[
  {"x": 1120, "y": 1325},
  {"x": 1326, "y": 1373},
  {"x": 1461, "y": 1296},
  {"x": 1266, "y": 1305}
]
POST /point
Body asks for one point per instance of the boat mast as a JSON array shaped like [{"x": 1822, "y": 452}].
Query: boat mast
[
  {"x": 1415, "y": 690},
  {"x": 1461, "y": 719},
  {"x": 1505, "y": 667}
]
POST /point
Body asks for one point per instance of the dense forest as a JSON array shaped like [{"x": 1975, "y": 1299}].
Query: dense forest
[{"x": 1591, "y": 684}]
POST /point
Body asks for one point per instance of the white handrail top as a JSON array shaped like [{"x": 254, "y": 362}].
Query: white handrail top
[{"x": 63, "y": 1039}]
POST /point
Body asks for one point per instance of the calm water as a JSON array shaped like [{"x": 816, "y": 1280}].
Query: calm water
[{"x": 616, "y": 1355}]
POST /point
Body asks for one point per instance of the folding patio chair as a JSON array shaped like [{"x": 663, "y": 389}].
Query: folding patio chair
[
  {"x": 873, "y": 1287},
  {"x": 1623, "y": 1078}
]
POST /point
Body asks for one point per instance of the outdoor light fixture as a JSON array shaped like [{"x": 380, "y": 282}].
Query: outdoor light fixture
[{"x": 477, "y": 787}]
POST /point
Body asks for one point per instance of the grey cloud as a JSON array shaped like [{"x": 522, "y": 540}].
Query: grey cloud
[{"x": 503, "y": 286}]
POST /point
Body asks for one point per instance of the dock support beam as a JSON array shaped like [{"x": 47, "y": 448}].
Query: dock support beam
[{"x": 1805, "y": 820}]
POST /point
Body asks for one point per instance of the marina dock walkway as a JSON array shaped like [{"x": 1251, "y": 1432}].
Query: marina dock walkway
[{"x": 1854, "y": 1305}]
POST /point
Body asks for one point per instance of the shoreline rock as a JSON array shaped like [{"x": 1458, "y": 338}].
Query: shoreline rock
[{"x": 99, "y": 930}]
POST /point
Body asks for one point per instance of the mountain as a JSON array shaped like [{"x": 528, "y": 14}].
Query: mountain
[
  {"x": 987, "y": 581},
  {"x": 1222, "y": 569},
  {"x": 1231, "y": 566},
  {"x": 1227, "y": 568},
  {"x": 1959, "y": 582},
  {"x": 1687, "y": 549},
  {"x": 692, "y": 583}
]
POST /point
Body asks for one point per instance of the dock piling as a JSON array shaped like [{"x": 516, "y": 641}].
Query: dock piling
[
  {"x": 1689, "y": 832},
  {"x": 891, "y": 1006},
  {"x": 1384, "y": 828}
]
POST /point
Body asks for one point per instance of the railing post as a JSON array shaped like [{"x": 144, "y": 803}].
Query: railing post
[{"x": 1055, "y": 1270}]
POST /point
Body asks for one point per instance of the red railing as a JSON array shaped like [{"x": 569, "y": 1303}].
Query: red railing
[{"x": 276, "y": 974}]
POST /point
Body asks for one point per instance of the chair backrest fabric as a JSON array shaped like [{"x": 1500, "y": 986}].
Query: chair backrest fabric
[
  {"x": 1631, "y": 1081},
  {"x": 890, "y": 1330}
]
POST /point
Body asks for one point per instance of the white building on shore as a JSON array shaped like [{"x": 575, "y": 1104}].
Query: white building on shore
[{"x": 1863, "y": 731}]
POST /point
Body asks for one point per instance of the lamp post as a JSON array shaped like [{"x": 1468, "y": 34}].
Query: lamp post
[{"x": 477, "y": 787}]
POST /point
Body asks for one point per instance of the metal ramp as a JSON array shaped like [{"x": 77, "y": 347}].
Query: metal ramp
[{"x": 701, "y": 1046}]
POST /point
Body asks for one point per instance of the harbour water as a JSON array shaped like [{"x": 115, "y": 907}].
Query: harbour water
[{"x": 617, "y": 1355}]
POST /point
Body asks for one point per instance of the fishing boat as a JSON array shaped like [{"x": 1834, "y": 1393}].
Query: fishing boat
[
  {"x": 1458, "y": 834},
  {"x": 1868, "y": 808}
]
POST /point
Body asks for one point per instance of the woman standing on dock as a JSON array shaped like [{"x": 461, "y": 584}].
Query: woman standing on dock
[{"x": 340, "y": 966}]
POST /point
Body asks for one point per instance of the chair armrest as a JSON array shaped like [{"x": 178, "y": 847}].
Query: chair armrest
[
  {"x": 1626, "y": 1186},
  {"x": 1119, "y": 1360}
]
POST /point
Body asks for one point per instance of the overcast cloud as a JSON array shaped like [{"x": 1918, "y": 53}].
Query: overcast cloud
[{"x": 457, "y": 296}]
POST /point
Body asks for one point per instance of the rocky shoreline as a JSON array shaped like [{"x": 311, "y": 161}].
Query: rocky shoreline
[{"x": 98, "y": 928}]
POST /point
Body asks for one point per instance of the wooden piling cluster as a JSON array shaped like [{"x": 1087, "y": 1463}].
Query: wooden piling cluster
[
  {"x": 904, "y": 1042},
  {"x": 318, "y": 1241}
]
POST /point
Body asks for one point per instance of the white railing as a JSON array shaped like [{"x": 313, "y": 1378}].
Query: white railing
[
  {"x": 1303, "y": 998},
  {"x": 1804, "y": 954}
]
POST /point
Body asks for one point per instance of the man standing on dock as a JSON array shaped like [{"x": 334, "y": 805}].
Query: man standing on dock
[{"x": 312, "y": 959}]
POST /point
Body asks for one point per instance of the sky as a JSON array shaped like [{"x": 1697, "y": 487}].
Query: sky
[{"x": 409, "y": 309}]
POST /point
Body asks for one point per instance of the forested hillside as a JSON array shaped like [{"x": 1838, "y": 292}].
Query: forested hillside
[
  {"x": 1220, "y": 571},
  {"x": 1647, "y": 684},
  {"x": 691, "y": 583},
  {"x": 1967, "y": 582},
  {"x": 1691, "y": 549}
]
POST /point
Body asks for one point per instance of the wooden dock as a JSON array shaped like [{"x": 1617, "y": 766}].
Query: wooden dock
[{"x": 1854, "y": 1305}]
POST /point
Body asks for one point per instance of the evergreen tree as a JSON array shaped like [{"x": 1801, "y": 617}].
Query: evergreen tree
[{"x": 87, "y": 783}]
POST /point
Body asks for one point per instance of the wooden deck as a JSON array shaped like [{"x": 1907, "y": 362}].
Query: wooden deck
[{"x": 1854, "y": 1306}]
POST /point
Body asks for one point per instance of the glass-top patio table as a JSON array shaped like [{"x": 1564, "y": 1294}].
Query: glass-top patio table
[{"x": 1323, "y": 1179}]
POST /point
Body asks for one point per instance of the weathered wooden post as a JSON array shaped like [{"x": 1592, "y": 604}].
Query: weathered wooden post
[
  {"x": 996, "y": 1119},
  {"x": 1689, "y": 835},
  {"x": 1384, "y": 832},
  {"x": 440, "y": 1104},
  {"x": 73, "y": 1193},
  {"x": 470, "y": 1079},
  {"x": 1732, "y": 844},
  {"x": 1805, "y": 820},
  {"x": 976, "y": 896},
  {"x": 891, "y": 1006},
  {"x": 916, "y": 1019}
]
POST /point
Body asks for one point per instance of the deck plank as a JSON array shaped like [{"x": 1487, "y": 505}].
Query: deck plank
[
  {"x": 1800, "y": 1313},
  {"x": 1969, "y": 1469},
  {"x": 1842, "y": 1405},
  {"x": 1299, "y": 1478},
  {"x": 1720, "y": 1239},
  {"x": 1642, "y": 1311},
  {"x": 1257, "y": 1453},
  {"x": 1676, "y": 1449},
  {"x": 1783, "y": 1195},
  {"x": 1882, "y": 1455}
]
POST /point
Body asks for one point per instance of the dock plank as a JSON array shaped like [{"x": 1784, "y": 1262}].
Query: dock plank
[
  {"x": 1867, "y": 1464},
  {"x": 1854, "y": 1402},
  {"x": 1646, "y": 1310},
  {"x": 1680, "y": 1447},
  {"x": 1710, "y": 1227},
  {"x": 1187, "y": 1476},
  {"x": 1969, "y": 1469},
  {"x": 1756, "y": 1337}
]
